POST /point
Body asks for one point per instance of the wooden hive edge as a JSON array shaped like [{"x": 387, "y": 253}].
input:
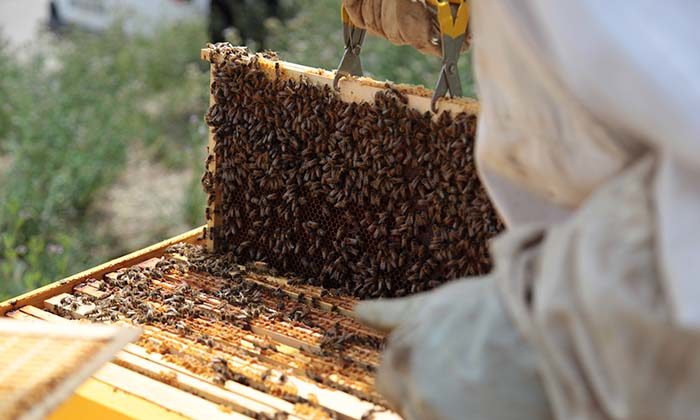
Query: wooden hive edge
[{"x": 36, "y": 297}]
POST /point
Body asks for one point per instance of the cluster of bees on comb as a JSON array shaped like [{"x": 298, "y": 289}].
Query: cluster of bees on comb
[
  {"x": 168, "y": 295},
  {"x": 375, "y": 199}
]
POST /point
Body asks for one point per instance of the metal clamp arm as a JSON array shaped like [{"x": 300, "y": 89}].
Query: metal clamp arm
[
  {"x": 353, "y": 37},
  {"x": 453, "y": 18}
]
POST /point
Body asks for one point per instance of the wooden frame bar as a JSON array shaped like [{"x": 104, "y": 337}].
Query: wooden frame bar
[
  {"x": 212, "y": 201},
  {"x": 357, "y": 89}
]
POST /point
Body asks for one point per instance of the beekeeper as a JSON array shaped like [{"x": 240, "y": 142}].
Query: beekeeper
[{"x": 589, "y": 146}]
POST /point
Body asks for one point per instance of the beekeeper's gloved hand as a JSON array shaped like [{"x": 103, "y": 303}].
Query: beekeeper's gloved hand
[
  {"x": 402, "y": 22},
  {"x": 453, "y": 353}
]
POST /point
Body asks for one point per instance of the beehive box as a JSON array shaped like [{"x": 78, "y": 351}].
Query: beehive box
[
  {"x": 225, "y": 336},
  {"x": 216, "y": 343},
  {"x": 362, "y": 190}
]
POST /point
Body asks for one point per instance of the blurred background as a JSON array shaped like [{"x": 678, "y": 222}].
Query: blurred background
[{"x": 102, "y": 140}]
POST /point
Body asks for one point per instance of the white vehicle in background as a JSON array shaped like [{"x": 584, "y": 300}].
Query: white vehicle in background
[
  {"x": 143, "y": 16},
  {"x": 138, "y": 16}
]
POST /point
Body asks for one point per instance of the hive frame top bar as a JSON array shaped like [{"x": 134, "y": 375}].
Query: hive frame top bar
[{"x": 358, "y": 89}]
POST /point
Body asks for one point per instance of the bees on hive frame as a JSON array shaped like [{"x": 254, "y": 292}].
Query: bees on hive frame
[{"x": 352, "y": 195}]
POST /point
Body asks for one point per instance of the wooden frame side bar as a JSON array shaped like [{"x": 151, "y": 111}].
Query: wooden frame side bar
[{"x": 213, "y": 198}]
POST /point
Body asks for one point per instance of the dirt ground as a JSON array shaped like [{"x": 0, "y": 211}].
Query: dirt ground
[
  {"x": 5, "y": 162},
  {"x": 146, "y": 202}
]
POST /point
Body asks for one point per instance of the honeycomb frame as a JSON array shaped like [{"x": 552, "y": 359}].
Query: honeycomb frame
[{"x": 367, "y": 195}]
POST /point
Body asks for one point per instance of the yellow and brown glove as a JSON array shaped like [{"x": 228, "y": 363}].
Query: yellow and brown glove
[{"x": 402, "y": 22}]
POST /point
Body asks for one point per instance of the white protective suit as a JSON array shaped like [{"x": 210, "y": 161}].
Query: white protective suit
[{"x": 589, "y": 144}]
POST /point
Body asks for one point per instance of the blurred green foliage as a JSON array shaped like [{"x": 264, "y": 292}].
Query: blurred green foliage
[{"x": 70, "y": 111}]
